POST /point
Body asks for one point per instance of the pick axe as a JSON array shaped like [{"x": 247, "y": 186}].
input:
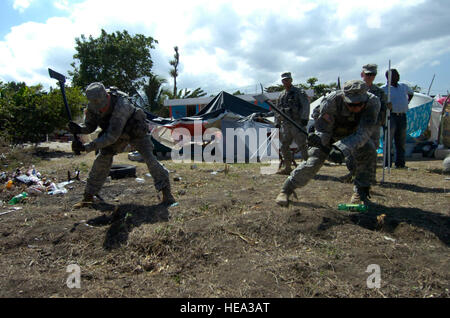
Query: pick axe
[
  {"x": 62, "y": 79},
  {"x": 263, "y": 98}
]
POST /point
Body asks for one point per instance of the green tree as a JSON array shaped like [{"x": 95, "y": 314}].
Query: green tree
[
  {"x": 276, "y": 88},
  {"x": 312, "y": 81},
  {"x": 154, "y": 97},
  {"x": 182, "y": 94},
  {"x": 174, "y": 71},
  {"x": 116, "y": 59},
  {"x": 28, "y": 114}
]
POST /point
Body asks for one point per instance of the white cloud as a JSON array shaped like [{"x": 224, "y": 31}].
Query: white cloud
[
  {"x": 62, "y": 5},
  {"x": 238, "y": 43},
  {"x": 374, "y": 21},
  {"x": 21, "y": 5},
  {"x": 435, "y": 63}
]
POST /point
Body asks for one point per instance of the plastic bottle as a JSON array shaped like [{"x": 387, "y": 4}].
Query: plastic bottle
[
  {"x": 18, "y": 198},
  {"x": 9, "y": 185},
  {"x": 353, "y": 207}
]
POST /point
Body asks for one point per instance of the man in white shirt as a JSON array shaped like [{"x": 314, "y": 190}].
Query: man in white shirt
[{"x": 401, "y": 95}]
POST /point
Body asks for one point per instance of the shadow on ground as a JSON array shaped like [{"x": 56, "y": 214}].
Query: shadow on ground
[
  {"x": 48, "y": 155},
  {"x": 124, "y": 218},
  {"x": 394, "y": 216},
  {"x": 412, "y": 187}
]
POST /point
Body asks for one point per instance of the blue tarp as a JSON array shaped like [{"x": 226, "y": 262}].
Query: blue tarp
[{"x": 418, "y": 119}]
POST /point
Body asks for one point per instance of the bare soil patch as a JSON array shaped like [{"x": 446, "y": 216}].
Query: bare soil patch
[{"x": 227, "y": 237}]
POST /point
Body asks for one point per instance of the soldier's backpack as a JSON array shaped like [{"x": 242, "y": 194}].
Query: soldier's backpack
[{"x": 136, "y": 126}]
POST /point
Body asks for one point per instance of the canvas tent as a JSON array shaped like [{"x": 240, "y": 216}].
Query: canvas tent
[{"x": 223, "y": 108}]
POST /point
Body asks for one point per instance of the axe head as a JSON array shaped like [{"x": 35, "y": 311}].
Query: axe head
[{"x": 61, "y": 78}]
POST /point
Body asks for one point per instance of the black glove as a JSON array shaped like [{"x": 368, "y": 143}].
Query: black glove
[
  {"x": 314, "y": 140},
  {"x": 336, "y": 155},
  {"x": 304, "y": 122},
  {"x": 74, "y": 128},
  {"x": 77, "y": 146}
]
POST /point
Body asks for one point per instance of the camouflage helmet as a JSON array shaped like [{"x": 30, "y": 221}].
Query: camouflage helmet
[
  {"x": 355, "y": 91},
  {"x": 97, "y": 96}
]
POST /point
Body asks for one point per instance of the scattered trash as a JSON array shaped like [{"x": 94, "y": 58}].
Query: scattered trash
[
  {"x": 389, "y": 239},
  {"x": 9, "y": 185},
  {"x": 214, "y": 172},
  {"x": 380, "y": 219},
  {"x": 12, "y": 209},
  {"x": 28, "y": 180},
  {"x": 58, "y": 191},
  {"x": 353, "y": 207},
  {"x": 16, "y": 199},
  {"x": 36, "y": 190},
  {"x": 135, "y": 156},
  {"x": 174, "y": 204},
  {"x": 193, "y": 167},
  {"x": 36, "y": 183},
  {"x": 77, "y": 176},
  {"x": 140, "y": 180},
  {"x": 148, "y": 175},
  {"x": 176, "y": 178}
]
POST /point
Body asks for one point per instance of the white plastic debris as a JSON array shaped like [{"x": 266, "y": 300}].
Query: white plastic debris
[{"x": 389, "y": 239}]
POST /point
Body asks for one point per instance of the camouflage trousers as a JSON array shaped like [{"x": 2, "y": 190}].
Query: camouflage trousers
[
  {"x": 305, "y": 171},
  {"x": 104, "y": 159},
  {"x": 289, "y": 133},
  {"x": 350, "y": 161}
]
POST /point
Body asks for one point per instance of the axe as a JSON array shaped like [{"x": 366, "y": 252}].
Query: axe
[
  {"x": 62, "y": 79},
  {"x": 263, "y": 98}
]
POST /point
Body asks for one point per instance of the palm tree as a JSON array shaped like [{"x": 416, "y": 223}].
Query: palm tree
[{"x": 174, "y": 71}]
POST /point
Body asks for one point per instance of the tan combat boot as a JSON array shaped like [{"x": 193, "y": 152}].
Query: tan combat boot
[
  {"x": 88, "y": 200},
  {"x": 282, "y": 199},
  {"x": 167, "y": 196},
  {"x": 356, "y": 199},
  {"x": 361, "y": 196}
]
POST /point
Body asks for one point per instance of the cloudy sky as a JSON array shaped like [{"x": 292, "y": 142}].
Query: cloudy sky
[{"x": 231, "y": 45}]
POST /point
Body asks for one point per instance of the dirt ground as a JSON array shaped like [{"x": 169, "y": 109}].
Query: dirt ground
[{"x": 226, "y": 237}]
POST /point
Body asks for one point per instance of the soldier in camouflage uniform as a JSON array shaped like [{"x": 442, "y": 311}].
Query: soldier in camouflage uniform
[
  {"x": 368, "y": 74},
  {"x": 121, "y": 124},
  {"x": 344, "y": 128},
  {"x": 293, "y": 102}
]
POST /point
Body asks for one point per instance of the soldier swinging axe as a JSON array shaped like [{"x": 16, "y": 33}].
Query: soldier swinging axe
[{"x": 61, "y": 80}]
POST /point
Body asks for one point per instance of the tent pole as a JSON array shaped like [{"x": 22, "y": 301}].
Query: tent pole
[
  {"x": 387, "y": 130},
  {"x": 429, "y": 88},
  {"x": 389, "y": 118}
]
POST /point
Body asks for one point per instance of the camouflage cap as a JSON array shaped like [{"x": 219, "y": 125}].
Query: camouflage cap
[
  {"x": 286, "y": 75},
  {"x": 355, "y": 91},
  {"x": 97, "y": 96},
  {"x": 370, "y": 69}
]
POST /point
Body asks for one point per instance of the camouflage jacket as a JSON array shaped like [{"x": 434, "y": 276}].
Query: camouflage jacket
[
  {"x": 121, "y": 118},
  {"x": 294, "y": 103},
  {"x": 378, "y": 92},
  {"x": 348, "y": 131}
]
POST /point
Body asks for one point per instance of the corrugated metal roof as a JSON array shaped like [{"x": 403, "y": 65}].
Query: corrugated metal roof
[{"x": 206, "y": 100}]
